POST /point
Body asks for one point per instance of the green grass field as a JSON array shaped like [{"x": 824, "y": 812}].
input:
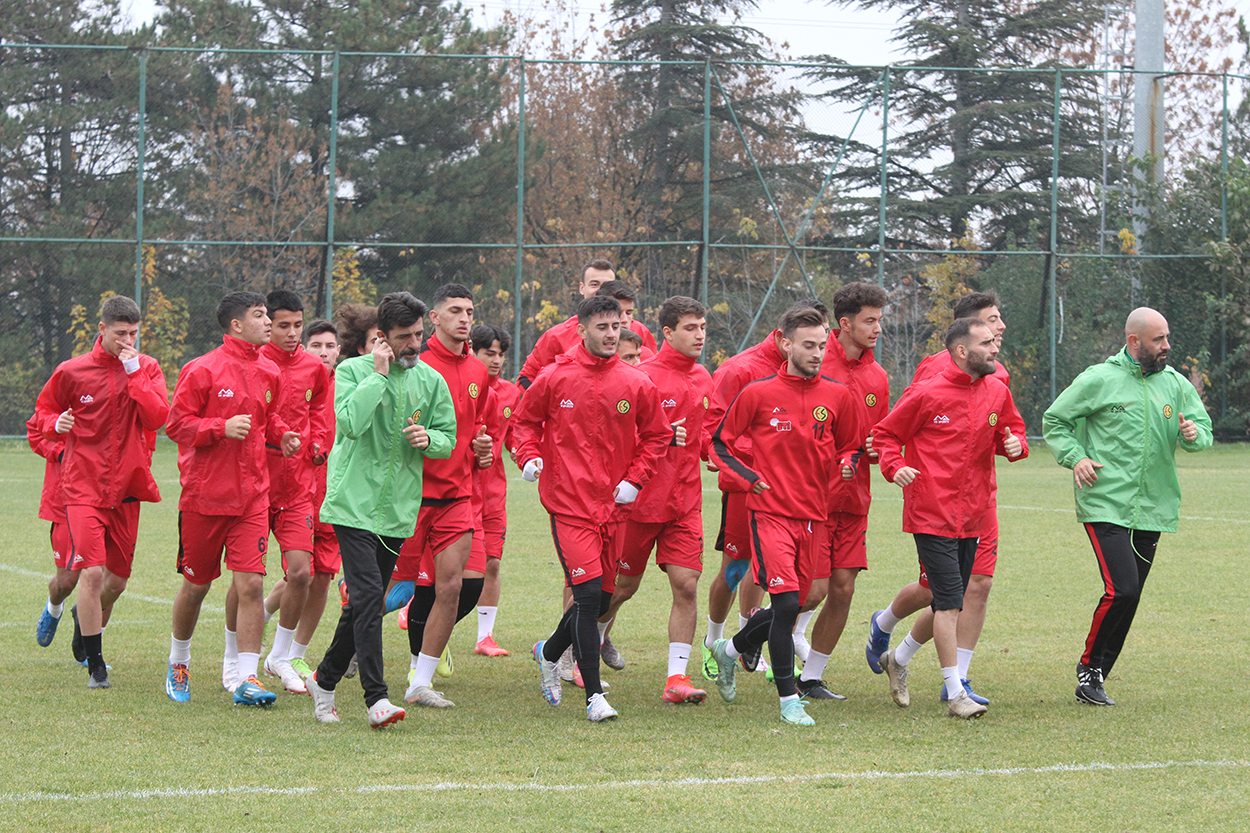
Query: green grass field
[{"x": 1171, "y": 756}]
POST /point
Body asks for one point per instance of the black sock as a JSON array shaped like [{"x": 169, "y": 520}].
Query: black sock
[{"x": 95, "y": 652}]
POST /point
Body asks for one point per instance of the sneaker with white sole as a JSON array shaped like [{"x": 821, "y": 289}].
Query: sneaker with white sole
[
  {"x": 566, "y": 665},
  {"x": 976, "y": 698},
  {"x": 897, "y": 675},
  {"x": 323, "y": 701},
  {"x": 801, "y": 649},
  {"x": 816, "y": 690},
  {"x": 423, "y": 695},
  {"x": 549, "y": 675},
  {"x": 352, "y": 667},
  {"x": 251, "y": 692},
  {"x": 1089, "y": 687},
  {"x": 795, "y": 713},
  {"x": 98, "y": 678},
  {"x": 291, "y": 679},
  {"x": 383, "y": 714},
  {"x": 598, "y": 710},
  {"x": 961, "y": 705},
  {"x": 229, "y": 673}
]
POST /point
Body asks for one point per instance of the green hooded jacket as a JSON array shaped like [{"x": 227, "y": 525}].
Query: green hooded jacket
[
  {"x": 1131, "y": 424},
  {"x": 373, "y": 476}
]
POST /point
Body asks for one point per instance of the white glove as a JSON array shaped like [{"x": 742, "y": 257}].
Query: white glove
[
  {"x": 626, "y": 492},
  {"x": 131, "y": 365},
  {"x": 532, "y": 469}
]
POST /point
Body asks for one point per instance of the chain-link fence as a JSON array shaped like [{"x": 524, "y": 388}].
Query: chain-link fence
[{"x": 175, "y": 176}]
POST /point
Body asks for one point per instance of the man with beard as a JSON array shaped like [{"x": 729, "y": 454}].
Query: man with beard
[{"x": 1117, "y": 426}]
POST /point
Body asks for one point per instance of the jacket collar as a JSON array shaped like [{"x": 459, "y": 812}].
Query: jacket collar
[
  {"x": 433, "y": 345},
  {"x": 959, "y": 377},
  {"x": 838, "y": 352},
  {"x": 101, "y": 356},
  {"x": 1125, "y": 360},
  {"x": 669, "y": 357},
  {"x": 279, "y": 356},
  {"x": 580, "y": 355},
  {"x": 239, "y": 348},
  {"x": 791, "y": 379}
]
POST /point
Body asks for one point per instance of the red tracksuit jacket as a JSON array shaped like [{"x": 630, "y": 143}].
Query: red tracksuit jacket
[
  {"x": 802, "y": 431},
  {"x": 952, "y": 427},
  {"x": 50, "y": 506},
  {"x": 303, "y": 400},
  {"x": 684, "y": 388},
  {"x": 870, "y": 389},
  {"x": 221, "y": 476},
  {"x": 562, "y": 338},
  {"x": 931, "y": 366},
  {"x": 467, "y": 379},
  {"x": 108, "y": 454},
  {"x": 319, "y": 472},
  {"x": 594, "y": 422},
  {"x": 490, "y": 485},
  {"x": 735, "y": 373}
]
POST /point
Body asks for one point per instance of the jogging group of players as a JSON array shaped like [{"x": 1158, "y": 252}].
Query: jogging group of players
[{"x": 374, "y": 445}]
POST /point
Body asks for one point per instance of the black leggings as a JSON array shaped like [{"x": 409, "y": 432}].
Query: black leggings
[
  {"x": 1124, "y": 560},
  {"x": 579, "y": 627},
  {"x": 423, "y": 602},
  {"x": 774, "y": 625}
]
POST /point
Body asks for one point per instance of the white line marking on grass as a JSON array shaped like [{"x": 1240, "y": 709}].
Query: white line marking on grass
[
  {"x": 139, "y": 597},
  {"x": 454, "y": 786}
]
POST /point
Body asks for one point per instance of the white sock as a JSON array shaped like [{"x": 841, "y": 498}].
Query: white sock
[
  {"x": 232, "y": 645},
  {"x": 800, "y": 625},
  {"x": 789, "y": 697},
  {"x": 814, "y": 665},
  {"x": 268, "y": 614},
  {"x": 730, "y": 650},
  {"x": 248, "y": 664},
  {"x": 742, "y": 621},
  {"x": 412, "y": 662},
  {"x": 965, "y": 659},
  {"x": 297, "y": 650},
  {"x": 425, "y": 670},
  {"x": 485, "y": 621},
  {"x": 715, "y": 631},
  {"x": 282, "y": 640},
  {"x": 953, "y": 684},
  {"x": 55, "y": 611},
  {"x": 906, "y": 650},
  {"x": 179, "y": 651},
  {"x": 887, "y": 621},
  {"x": 802, "y": 648},
  {"x": 678, "y": 657},
  {"x": 603, "y": 629}
]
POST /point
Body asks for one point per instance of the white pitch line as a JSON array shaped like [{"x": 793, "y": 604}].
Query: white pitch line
[
  {"x": 139, "y": 597},
  {"x": 455, "y": 786}
]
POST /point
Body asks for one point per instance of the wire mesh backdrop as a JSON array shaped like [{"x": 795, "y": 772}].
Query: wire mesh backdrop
[{"x": 175, "y": 176}]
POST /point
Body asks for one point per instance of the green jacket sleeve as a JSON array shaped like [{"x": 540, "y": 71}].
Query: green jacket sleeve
[
  {"x": 1059, "y": 421},
  {"x": 1192, "y": 408},
  {"x": 356, "y": 398},
  {"x": 441, "y": 425}
]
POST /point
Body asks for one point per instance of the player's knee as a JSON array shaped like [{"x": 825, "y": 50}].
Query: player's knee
[
  {"x": 587, "y": 594},
  {"x": 786, "y": 605}
]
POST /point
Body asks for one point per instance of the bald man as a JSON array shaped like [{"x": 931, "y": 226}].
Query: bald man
[{"x": 1136, "y": 410}]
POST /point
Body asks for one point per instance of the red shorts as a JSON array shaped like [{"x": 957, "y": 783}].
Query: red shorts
[
  {"x": 293, "y": 527},
  {"x": 494, "y": 533},
  {"x": 842, "y": 544},
  {"x": 327, "y": 560},
  {"x": 784, "y": 550},
  {"x": 103, "y": 537},
  {"x": 438, "y": 527},
  {"x": 201, "y": 539},
  {"x": 987, "y": 549},
  {"x": 477, "y": 554},
  {"x": 62, "y": 550},
  {"x": 588, "y": 551},
  {"x": 678, "y": 542},
  {"x": 735, "y": 526}
]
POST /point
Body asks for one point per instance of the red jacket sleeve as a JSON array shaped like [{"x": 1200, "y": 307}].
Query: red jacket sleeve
[
  {"x": 896, "y": 430},
  {"x": 320, "y": 416},
  {"x": 146, "y": 387},
  {"x": 654, "y": 435},
  {"x": 544, "y": 353},
  {"x": 1010, "y": 418},
  {"x": 49, "y": 406},
  {"x": 721, "y": 451},
  {"x": 49, "y": 450},
  {"x": 846, "y": 431},
  {"x": 528, "y": 419},
  {"x": 185, "y": 425}
]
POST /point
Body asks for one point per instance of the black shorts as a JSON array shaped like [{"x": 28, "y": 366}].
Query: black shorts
[{"x": 948, "y": 564}]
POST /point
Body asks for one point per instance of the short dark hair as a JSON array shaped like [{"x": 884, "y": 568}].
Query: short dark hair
[
  {"x": 960, "y": 328},
  {"x": 283, "y": 299},
  {"x": 969, "y": 305},
  {"x": 399, "y": 309},
  {"x": 484, "y": 335},
  {"x": 600, "y": 264},
  {"x": 630, "y": 336},
  {"x": 597, "y": 305},
  {"x": 451, "y": 290},
  {"x": 317, "y": 327},
  {"x": 850, "y": 299},
  {"x": 356, "y": 322},
  {"x": 676, "y": 308},
  {"x": 619, "y": 290},
  {"x": 800, "y": 316},
  {"x": 811, "y": 303},
  {"x": 235, "y": 305},
  {"x": 119, "y": 308}
]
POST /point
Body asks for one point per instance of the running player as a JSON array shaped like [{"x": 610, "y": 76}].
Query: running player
[
  {"x": 917, "y": 596},
  {"x": 107, "y": 406},
  {"x": 668, "y": 515},
  {"x": 843, "y": 551},
  {"x": 490, "y": 345},
  {"x": 393, "y": 412},
  {"x": 952, "y": 426},
  {"x": 802, "y": 430},
  {"x": 629, "y": 348},
  {"x": 224, "y": 414},
  {"x": 592, "y": 427}
]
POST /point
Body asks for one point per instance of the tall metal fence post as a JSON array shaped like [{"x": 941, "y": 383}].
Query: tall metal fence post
[
  {"x": 143, "y": 107},
  {"x": 1224, "y": 239},
  {"x": 517, "y": 349},
  {"x": 885, "y": 138},
  {"x": 332, "y": 183},
  {"x": 1054, "y": 233},
  {"x": 707, "y": 178}
]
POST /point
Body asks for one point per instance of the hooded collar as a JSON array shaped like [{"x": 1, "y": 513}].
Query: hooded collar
[
  {"x": 433, "y": 345},
  {"x": 239, "y": 348},
  {"x": 669, "y": 357}
]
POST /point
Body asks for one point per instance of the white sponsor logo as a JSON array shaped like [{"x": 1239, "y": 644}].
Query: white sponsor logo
[
  {"x": 423, "y": 576},
  {"x": 942, "y": 419},
  {"x": 780, "y": 425},
  {"x": 577, "y": 572},
  {"x": 625, "y": 566},
  {"x": 86, "y": 399},
  {"x": 776, "y": 582},
  {"x": 779, "y": 410},
  {"x": 731, "y": 547},
  {"x": 566, "y": 403},
  {"x": 225, "y": 393},
  {"x": 189, "y": 571},
  {"x": 669, "y": 403},
  {"x": 77, "y": 559}
]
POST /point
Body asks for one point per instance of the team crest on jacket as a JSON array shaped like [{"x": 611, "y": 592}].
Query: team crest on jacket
[
  {"x": 622, "y": 406},
  {"x": 308, "y": 395},
  {"x": 706, "y": 404},
  {"x": 416, "y": 416},
  {"x": 268, "y": 396},
  {"x": 820, "y": 413},
  {"x": 473, "y": 390},
  {"x": 1167, "y": 411},
  {"x": 870, "y": 400},
  {"x": 993, "y": 419},
  {"x": 507, "y": 412}
]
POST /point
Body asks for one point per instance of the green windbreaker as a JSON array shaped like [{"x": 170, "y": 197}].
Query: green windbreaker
[
  {"x": 1131, "y": 424},
  {"x": 373, "y": 476}
]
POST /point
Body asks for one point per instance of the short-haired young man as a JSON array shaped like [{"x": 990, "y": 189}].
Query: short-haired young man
[
  {"x": 952, "y": 426},
  {"x": 592, "y": 427},
  {"x": 917, "y": 595},
  {"x": 802, "y": 431},
  {"x": 107, "y": 406},
  {"x": 392, "y": 413},
  {"x": 668, "y": 515},
  {"x": 224, "y": 417},
  {"x": 490, "y": 485},
  {"x": 563, "y": 336},
  {"x": 629, "y": 348},
  {"x": 843, "y": 548}
]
